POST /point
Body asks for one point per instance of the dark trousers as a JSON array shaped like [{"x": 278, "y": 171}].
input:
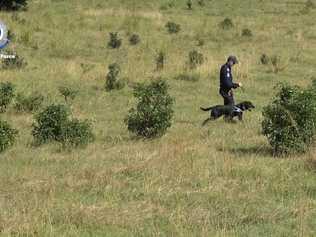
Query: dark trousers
[{"x": 228, "y": 97}]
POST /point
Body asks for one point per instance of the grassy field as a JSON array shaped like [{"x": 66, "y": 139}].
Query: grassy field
[{"x": 217, "y": 180}]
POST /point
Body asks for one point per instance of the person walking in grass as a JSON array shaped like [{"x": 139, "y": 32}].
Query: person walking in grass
[{"x": 226, "y": 81}]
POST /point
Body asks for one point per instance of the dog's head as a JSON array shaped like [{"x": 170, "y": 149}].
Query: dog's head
[{"x": 246, "y": 105}]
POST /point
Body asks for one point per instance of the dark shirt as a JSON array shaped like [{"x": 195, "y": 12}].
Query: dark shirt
[{"x": 226, "y": 79}]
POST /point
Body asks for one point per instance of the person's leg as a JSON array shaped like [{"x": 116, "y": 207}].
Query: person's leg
[{"x": 228, "y": 100}]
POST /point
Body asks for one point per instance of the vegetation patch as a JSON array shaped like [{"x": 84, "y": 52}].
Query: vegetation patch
[
  {"x": 154, "y": 110},
  {"x": 173, "y": 28},
  {"x": 7, "y": 136},
  {"x": 290, "y": 120},
  {"x": 7, "y": 93},
  {"x": 30, "y": 103},
  {"x": 112, "y": 78}
]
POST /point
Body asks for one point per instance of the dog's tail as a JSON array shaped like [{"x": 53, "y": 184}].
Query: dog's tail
[{"x": 206, "y": 109}]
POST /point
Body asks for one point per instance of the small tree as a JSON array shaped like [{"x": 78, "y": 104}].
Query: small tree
[
  {"x": 68, "y": 92},
  {"x": 290, "y": 120},
  {"x": 7, "y": 136},
  {"x": 264, "y": 59},
  {"x": 112, "y": 78},
  {"x": 172, "y": 27},
  {"x": 13, "y": 5},
  {"x": 53, "y": 124},
  {"x": 134, "y": 39},
  {"x": 153, "y": 113},
  {"x": 189, "y": 4},
  {"x": 226, "y": 24},
  {"x": 115, "y": 42},
  {"x": 6, "y": 95},
  {"x": 195, "y": 59},
  {"x": 246, "y": 33},
  {"x": 50, "y": 124},
  {"x": 77, "y": 134},
  {"x": 160, "y": 60}
]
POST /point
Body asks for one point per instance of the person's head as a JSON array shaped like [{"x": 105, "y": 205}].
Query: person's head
[{"x": 232, "y": 60}]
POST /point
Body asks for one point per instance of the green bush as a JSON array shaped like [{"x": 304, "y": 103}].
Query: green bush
[
  {"x": 264, "y": 59},
  {"x": 68, "y": 93},
  {"x": 160, "y": 60},
  {"x": 16, "y": 62},
  {"x": 50, "y": 124},
  {"x": 6, "y": 95},
  {"x": 53, "y": 124},
  {"x": 13, "y": 5},
  {"x": 226, "y": 24},
  {"x": 189, "y": 4},
  {"x": 290, "y": 120},
  {"x": 112, "y": 78},
  {"x": 201, "y": 3},
  {"x": 115, "y": 42},
  {"x": 153, "y": 113},
  {"x": 195, "y": 59},
  {"x": 246, "y": 33},
  {"x": 7, "y": 136},
  {"x": 172, "y": 27},
  {"x": 134, "y": 39},
  {"x": 29, "y": 103},
  {"x": 77, "y": 134}
]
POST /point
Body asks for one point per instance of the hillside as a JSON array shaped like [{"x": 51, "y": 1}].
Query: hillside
[{"x": 216, "y": 180}]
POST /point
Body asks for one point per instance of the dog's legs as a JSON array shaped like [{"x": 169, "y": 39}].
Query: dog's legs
[
  {"x": 206, "y": 120},
  {"x": 240, "y": 116}
]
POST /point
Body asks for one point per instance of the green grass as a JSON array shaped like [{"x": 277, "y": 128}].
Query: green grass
[{"x": 217, "y": 180}]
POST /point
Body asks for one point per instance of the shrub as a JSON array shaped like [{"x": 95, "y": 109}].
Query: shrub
[
  {"x": 77, "y": 134},
  {"x": 53, "y": 124},
  {"x": 7, "y": 136},
  {"x": 264, "y": 59},
  {"x": 28, "y": 103},
  {"x": 172, "y": 27},
  {"x": 201, "y": 3},
  {"x": 16, "y": 62},
  {"x": 310, "y": 4},
  {"x": 112, "y": 78},
  {"x": 6, "y": 95},
  {"x": 13, "y": 5},
  {"x": 160, "y": 60},
  {"x": 195, "y": 59},
  {"x": 68, "y": 92},
  {"x": 50, "y": 124},
  {"x": 246, "y": 33},
  {"x": 226, "y": 24},
  {"x": 134, "y": 39},
  {"x": 188, "y": 77},
  {"x": 115, "y": 42},
  {"x": 189, "y": 4},
  {"x": 289, "y": 121},
  {"x": 153, "y": 113}
]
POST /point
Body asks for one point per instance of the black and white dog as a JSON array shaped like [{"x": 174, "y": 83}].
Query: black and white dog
[{"x": 230, "y": 111}]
